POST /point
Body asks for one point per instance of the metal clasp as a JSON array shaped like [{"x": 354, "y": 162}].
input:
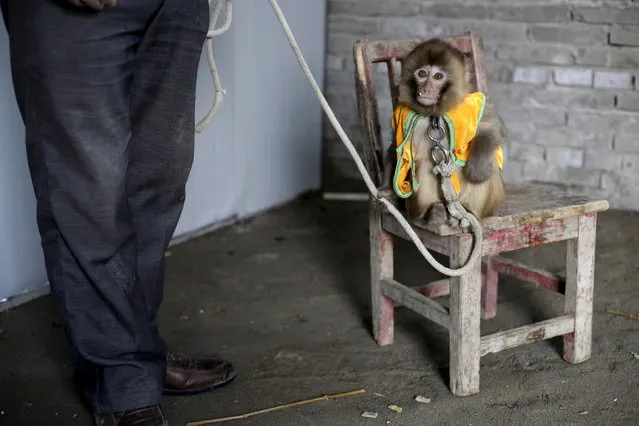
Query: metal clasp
[
  {"x": 436, "y": 126},
  {"x": 444, "y": 153}
]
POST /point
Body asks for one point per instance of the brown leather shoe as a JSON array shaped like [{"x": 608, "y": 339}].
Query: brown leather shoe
[
  {"x": 147, "y": 416},
  {"x": 188, "y": 375}
]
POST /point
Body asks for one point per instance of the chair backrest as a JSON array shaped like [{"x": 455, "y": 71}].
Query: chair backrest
[{"x": 366, "y": 53}]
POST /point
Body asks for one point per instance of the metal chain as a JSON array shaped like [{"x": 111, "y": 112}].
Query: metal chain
[{"x": 438, "y": 152}]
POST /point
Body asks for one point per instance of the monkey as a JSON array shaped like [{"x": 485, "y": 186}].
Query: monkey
[{"x": 435, "y": 79}]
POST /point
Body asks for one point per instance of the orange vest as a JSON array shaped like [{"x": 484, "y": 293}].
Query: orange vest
[{"x": 462, "y": 122}]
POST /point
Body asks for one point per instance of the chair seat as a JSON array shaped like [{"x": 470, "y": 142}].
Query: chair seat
[{"x": 528, "y": 203}]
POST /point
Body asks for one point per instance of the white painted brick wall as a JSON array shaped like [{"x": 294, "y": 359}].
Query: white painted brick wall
[
  {"x": 624, "y": 36},
  {"x": 565, "y": 156},
  {"x": 564, "y": 75},
  {"x": 573, "y": 77},
  {"x": 530, "y": 75},
  {"x": 613, "y": 80}
]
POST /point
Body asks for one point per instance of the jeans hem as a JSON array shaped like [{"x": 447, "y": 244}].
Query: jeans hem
[{"x": 129, "y": 401}]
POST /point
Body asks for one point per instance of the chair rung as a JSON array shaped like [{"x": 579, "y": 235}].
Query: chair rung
[
  {"x": 529, "y": 274},
  {"x": 531, "y": 333},
  {"x": 434, "y": 289},
  {"x": 415, "y": 301}
]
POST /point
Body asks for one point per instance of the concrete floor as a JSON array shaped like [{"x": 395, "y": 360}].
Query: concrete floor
[{"x": 286, "y": 297}]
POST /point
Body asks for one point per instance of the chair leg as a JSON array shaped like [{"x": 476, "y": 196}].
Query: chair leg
[
  {"x": 465, "y": 311},
  {"x": 489, "y": 291},
  {"x": 381, "y": 258},
  {"x": 580, "y": 267}
]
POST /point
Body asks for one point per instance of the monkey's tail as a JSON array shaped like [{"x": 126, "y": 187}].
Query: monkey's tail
[{"x": 476, "y": 253}]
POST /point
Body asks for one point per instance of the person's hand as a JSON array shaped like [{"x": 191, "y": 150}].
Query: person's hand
[{"x": 94, "y": 4}]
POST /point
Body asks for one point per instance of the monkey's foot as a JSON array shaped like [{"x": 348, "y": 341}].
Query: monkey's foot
[
  {"x": 453, "y": 222},
  {"x": 437, "y": 215}
]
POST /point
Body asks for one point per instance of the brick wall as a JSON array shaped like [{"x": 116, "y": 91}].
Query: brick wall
[{"x": 564, "y": 75}]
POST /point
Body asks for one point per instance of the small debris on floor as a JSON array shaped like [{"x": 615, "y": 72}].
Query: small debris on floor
[
  {"x": 422, "y": 399},
  {"x": 265, "y": 257},
  {"x": 378, "y": 394},
  {"x": 370, "y": 414},
  {"x": 635, "y": 355},
  {"x": 167, "y": 254},
  {"x": 584, "y": 413},
  {"x": 288, "y": 354},
  {"x": 395, "y": 408}
]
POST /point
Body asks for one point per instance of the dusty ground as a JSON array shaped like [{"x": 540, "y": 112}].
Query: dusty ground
[{"x": 286, "y": 297}]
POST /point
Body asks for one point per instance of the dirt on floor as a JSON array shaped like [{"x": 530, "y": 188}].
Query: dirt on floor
[{"x": 286, "y": 297}]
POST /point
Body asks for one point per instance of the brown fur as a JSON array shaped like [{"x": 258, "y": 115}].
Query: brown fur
[{"x": 481, "y": 180}]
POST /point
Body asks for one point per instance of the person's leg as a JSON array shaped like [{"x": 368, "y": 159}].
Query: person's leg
[
  {"x": 73, "y": 72},
  {"x": 161, "y": 156},
  {"x": 162, "y": 99}
]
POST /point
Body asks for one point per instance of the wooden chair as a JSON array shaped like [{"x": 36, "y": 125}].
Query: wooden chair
[{"x": 531, "y": 215}]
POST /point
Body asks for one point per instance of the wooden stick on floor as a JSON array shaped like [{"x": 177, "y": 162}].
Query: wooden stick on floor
[
  {"x": 279, "y": 407},
  {"x": 623, "y": 314}
]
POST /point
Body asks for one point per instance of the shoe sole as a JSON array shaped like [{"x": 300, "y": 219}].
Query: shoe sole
[{"x": 188, "y": 392}]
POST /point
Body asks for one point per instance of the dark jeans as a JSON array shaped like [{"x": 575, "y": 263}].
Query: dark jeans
[{"x": 108, "y": 104}]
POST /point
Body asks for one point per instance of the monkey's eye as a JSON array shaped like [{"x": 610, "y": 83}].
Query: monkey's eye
[
  {"x": 438, "y": 76},
  {"x": 422, "y": 73}
]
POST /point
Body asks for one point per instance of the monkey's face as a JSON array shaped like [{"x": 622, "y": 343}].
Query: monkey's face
[
  {"x": 431, "y": 81},
  {"x": 434, "y": 78}
]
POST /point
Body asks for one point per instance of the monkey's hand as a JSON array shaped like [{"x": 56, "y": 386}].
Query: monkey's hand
[
  {"x": 385, "y": 191},
  {"x": 491, "y": 133},
  {"x": 482, "y": 160},
  {"x": 93, "y": 4},
  {"x": 479, "y": 168}
]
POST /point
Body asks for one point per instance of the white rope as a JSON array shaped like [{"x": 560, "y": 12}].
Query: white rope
[
  {"x": 219, "y": 91},
  {"x": 476, "y": 254}
]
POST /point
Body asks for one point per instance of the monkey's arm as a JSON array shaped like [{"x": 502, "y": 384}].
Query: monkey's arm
[
  {"x": 491, "y": 133},
  {"x": 388, "y": 163}
]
